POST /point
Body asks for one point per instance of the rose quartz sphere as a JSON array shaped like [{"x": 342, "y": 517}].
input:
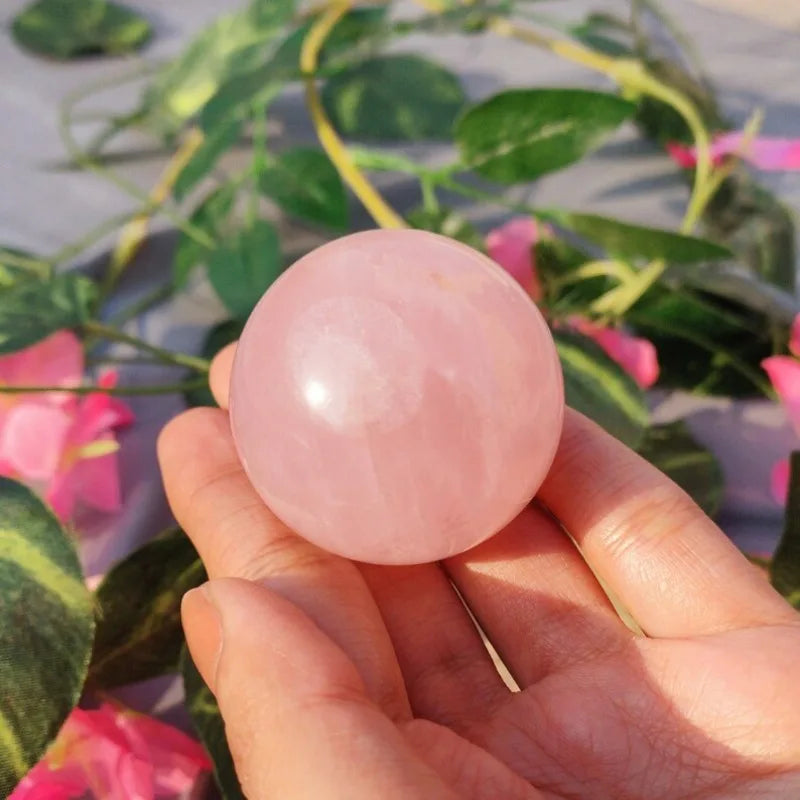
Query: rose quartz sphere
[{"x": 396, "y": 397}]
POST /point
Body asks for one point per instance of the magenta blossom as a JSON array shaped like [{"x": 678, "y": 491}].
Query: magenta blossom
[
  {"x": 779, "y": 481},
  {"x": 511, "y": 246},
  {"x": 114, "y": 754},
  {"x": 636, "y": 355},
  {"x": 763, "y": 152},
  {"x": 59, "y": 444},
  {"x": 784, "y": 374}
]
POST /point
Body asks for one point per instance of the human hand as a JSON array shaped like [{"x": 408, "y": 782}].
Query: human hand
[{"x": 343, "y": 680}]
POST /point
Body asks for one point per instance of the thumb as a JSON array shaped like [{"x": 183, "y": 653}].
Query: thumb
[{"x": 297, "y": 717}]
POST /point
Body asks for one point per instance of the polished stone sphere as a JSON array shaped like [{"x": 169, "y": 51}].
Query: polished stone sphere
[{"x": 396, "y": 397}]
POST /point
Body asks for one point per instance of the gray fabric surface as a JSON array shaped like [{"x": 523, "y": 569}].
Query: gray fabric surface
[{"x": 44, "y": 205}]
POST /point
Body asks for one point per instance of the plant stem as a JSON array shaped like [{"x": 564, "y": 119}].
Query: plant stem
[
  {"x": 259, "y": 160},
  {"x": 146, "y": 302},
  {"x": 166, "y": 388},
  {"x": 480, "y": 195},
  {"x": 134, "y": 232},
  {"x": 86, "y": 161},
  {"x": 38, "y": 265},
  {"x": 69, "y": 251},
  {"x": 429, "y": 200},
  {"x": 103, "y": 331},
  {"x": 381, "y": 212},
  {"x": 95, "y": 361},
  {"x": 631, "y": 76}
]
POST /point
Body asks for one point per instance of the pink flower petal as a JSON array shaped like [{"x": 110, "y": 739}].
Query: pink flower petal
[
  {"x": 766, "y": 153},
  {"x": 96, "y": 482},
  {"x": 99, "y": 413},
  {"x": 114, "y": 754},
  {"x": 779, "y": 482},
  {"x": 55, "y": 361},
  {"x": 681, "y": 154},
  {"x": 111, "y": 769},
  {"x": 794, "y": 336},
  {"x": 784, "y": 373},
  {"x": 511, "y": 246},
  {"x": 177, "y": 759},
  {"x": 60, "y": 496},
  {"x": 636, "y": 355},
  {"x": 32, "y": 440},
  {"x": 41, "y": 783}
]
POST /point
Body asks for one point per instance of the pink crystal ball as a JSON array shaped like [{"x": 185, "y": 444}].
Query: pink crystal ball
[{"x": 396, "y": 397}]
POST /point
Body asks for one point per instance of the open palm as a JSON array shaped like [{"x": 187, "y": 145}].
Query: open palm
[{"x": 374, "y": 682}]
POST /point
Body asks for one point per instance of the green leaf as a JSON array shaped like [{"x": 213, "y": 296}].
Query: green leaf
[
  {"x": 241, "y": 93},
  {"x": 705, "y": 344},
  {"x": 45, "y": 634},
  {"x": 448, "y": 223},
  {"x": 305, "y": 184},
  {"x": 674, "y": 450},
  {"x": 521, "y": 134},
  {"x": 210, "y": 728},
  {"x": 259, "y": 85},
  {"x": 785, "y": 566},
  {"x": 139, "y": 634},
  {"x": 208, "y": 217},
  {"x": 756, "y": 226},
  {"x": 10, "y": 270},
  {"x": 31, "y": 310},
  {"x": 356, "y": 26},
  {"x": 660, "y": 121},
  {"x": 604, "y": 33},
  {"x": 397, "y": 97},
  {"x": 598, "y": 387},
  {"x": 216, "y": 142},
  {"x": 555, "y": 260},
  {"x": 65, "y": 28},
  {"x": 235, "y": 42},
  {"x": 219, "y": 336},
  {"x": 356, "y": 30},
  {"x": 628, "y": 241},
  {"x": 242, "y": 270}
]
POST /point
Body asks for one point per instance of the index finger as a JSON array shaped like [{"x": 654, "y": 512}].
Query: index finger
[
  {"x": 220, "y": 376},
  {"x": 666, "y": 561}
]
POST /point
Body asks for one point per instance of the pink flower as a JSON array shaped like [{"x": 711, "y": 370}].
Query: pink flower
[
  {"x": 779, "y": 481},
  {"x": 763, "y": 152},
  {"x": 784, "y": 374},
  {"x": 637, "y": 356},
  {"x": 794, "y": 336},
  {"x": 511, "y": 246},
  {"x": 115, "y": 754},
  {"x": 61, "y": 445}
]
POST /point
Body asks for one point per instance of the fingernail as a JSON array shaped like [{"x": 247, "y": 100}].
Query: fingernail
[{"x": 202, "y": 625}]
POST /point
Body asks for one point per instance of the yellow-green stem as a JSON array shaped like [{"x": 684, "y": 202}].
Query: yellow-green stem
[
  {"x": 102, "y": 331},
  {"x": 162, "y": 388},
  {"x": 134, "y": 232},
  {"x": 381, "y": 212},
  {"x": 630, "y": 75}
]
